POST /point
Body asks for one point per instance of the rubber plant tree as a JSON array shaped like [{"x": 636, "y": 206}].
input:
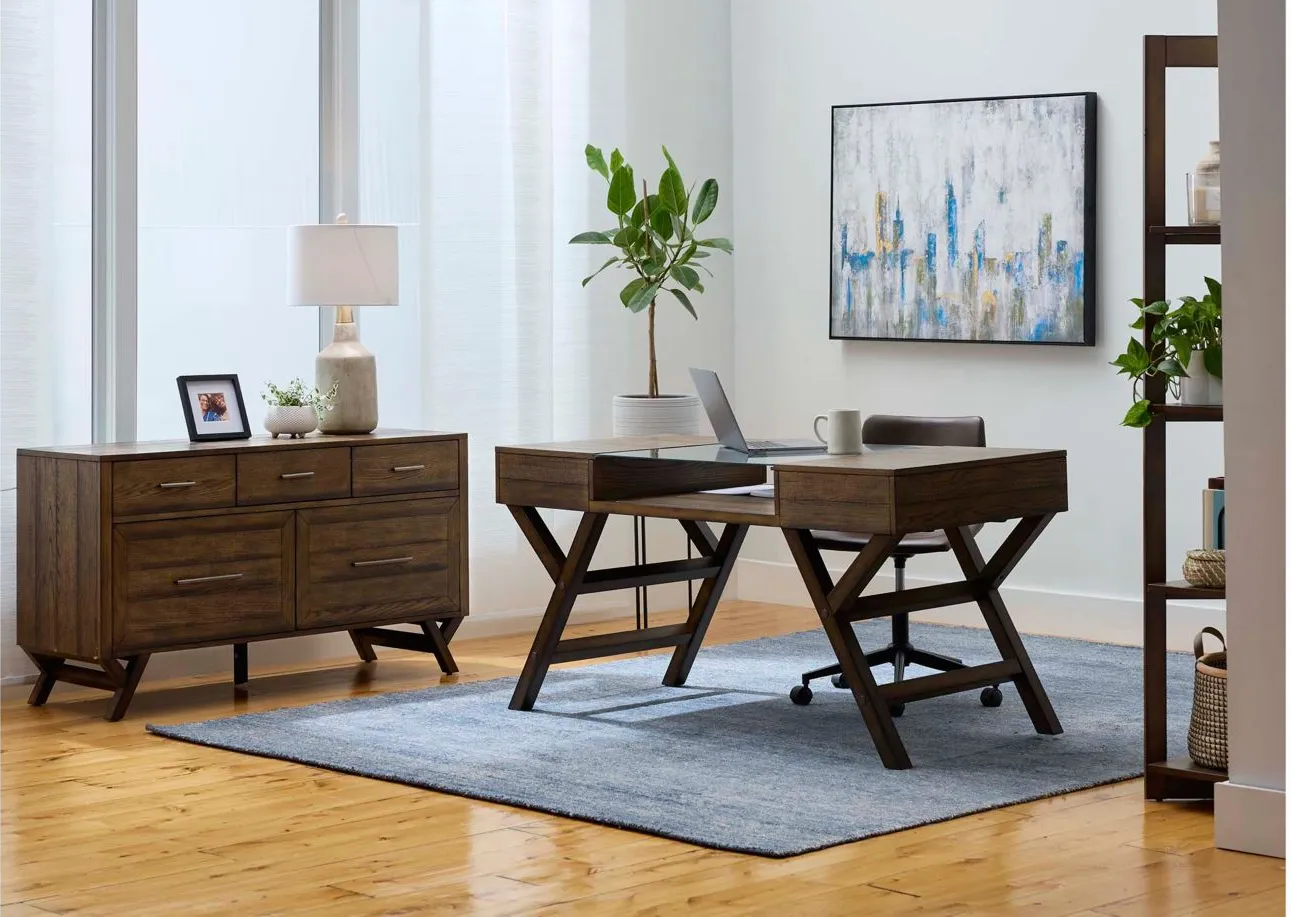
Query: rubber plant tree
[{"x": 655, "y": 238}]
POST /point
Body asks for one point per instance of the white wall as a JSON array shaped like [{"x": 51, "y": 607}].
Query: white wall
[
  {"x": 1250, "y": 810},
  {"x": 791, "y": 62}
]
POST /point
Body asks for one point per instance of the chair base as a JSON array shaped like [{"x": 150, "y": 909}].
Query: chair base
[{"x": 896, "y": 656}]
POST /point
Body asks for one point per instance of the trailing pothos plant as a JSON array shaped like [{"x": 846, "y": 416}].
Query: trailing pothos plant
[
  {"x": 655, "y": 237},
  {"x": 1191, "y": 330}
]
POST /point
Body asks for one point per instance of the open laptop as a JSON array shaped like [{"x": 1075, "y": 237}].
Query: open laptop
[{"x": 727, "y": 429}]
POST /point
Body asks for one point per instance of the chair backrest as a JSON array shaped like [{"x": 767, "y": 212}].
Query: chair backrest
[{"x": 897, "y": 430}]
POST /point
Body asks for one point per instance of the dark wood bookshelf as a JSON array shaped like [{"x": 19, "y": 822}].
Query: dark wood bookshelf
[
  {"x": 1165, "y": 778},
  {"x": 1187, "y": 235}
]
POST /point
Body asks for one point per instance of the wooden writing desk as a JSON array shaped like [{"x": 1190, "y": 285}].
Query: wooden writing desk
[{"x": 889, "y": 491}]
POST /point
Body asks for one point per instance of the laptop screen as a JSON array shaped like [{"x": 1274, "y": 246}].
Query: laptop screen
[{"x": 718, "y": 408}]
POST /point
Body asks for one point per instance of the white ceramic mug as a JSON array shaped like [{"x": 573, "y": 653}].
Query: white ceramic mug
[{"x": 844, "y": 432}]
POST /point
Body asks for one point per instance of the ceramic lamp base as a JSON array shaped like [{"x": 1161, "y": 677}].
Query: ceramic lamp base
[{"x": 350, "y": 366}]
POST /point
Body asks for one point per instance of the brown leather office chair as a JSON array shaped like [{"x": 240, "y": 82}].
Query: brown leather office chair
[{"x": 885, "y": 429}]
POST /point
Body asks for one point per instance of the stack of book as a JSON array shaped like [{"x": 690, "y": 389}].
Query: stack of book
[{"x": 1212, "y": 515}]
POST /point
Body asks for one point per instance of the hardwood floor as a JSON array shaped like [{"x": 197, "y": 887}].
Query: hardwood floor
[{"x": 102, "y": 818}]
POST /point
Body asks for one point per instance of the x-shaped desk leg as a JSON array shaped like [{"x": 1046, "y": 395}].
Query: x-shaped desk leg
[
  {"x": 831, "y": 601},
  {"x": 987, "y": 577},
  {"x": 840, "y": 605},
  {"x": 571, "y": 577}
]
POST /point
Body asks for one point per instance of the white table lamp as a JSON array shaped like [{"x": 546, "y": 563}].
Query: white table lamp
[{"x": 344, "y": 265}]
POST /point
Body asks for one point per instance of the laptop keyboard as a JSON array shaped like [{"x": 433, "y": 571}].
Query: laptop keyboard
[{"x": 762, "y": 444}]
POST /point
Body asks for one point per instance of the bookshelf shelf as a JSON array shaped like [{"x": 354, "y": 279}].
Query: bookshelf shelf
[
  {"x": 1181, "y": 589},
  {"x": 1186, "y": 235},
  {"x": 1189, "y": 412}
]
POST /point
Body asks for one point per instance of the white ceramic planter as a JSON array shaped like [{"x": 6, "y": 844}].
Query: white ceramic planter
[
  {"x": 640, "y": 415},
  {"x": 1216, "y": 389},
  {"x": 1195, "y": 388},
  {"x": 292, "y": 420}
]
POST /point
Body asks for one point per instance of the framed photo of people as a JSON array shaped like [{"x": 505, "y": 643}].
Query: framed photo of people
[{"x": 213, "y": 408}]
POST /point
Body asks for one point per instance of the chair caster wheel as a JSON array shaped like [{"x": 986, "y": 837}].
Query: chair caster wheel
[
  {"x": 992, "y": 697},
  {"x": 839, "y": 681},
  {"x": 800, "y": 695},
  {"x": 897, "y": 709}
]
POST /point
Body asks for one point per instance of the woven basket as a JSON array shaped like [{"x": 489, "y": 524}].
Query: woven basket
[
  {"x": 1208, "y": 729},
  {"x": 1204, "y": 568}
]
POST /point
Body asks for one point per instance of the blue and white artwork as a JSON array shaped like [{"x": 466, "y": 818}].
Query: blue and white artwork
[{"x": 968, "y": 220}]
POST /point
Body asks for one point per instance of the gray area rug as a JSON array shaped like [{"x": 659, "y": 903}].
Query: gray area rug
[{"x": 728, "y": 762}]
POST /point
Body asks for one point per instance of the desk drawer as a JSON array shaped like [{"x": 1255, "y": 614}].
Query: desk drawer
[
  {"x": 194, "y": 580},
  {"x": 293, "y": 474},
  {"x": 405, "y": 468},
  {"x": 173, "y": 485},
  {"x": 382, "y": 562}
]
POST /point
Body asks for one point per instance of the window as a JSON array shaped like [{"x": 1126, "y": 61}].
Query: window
[{"x": 228, "y": 159}]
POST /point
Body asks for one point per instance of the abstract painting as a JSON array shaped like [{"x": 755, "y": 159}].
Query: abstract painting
[{"x": 964, "y": 220}]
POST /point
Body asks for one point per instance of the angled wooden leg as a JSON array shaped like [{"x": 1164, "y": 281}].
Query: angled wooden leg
[
  {"x": 48, "y": 666},
  {"x": 127, "y": 680},
  {"x": 832, "y": 602},
  {"x": 568, "y": 582},
  {"x": 363, "y": 646},
  {"x": 439, "y": 646},
  {"x": 450, "y": 626},
  {"x": 987, "y": 576},
  {"x": 701, "y": 610}
]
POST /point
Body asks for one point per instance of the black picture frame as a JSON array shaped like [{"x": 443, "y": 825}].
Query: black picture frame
[
  {"x": 1090, "y": 223},
  {"x": 195, "y": 432}
]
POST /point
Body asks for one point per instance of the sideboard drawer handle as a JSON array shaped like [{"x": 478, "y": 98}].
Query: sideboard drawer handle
[
  {"x": 208, "y": 579},
  {"x": 170, "y": 484},
  {"x": 383, "y": 561},
  {"x": 401, "y": 468},
  {"x": 294, "y": 475}
]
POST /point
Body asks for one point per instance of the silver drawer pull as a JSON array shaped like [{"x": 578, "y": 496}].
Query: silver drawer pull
[
  {"x": 294, "y": 475},
  {"x": 208, "y": 579},
  {"x": 401, "y": 468},
  {"x": 170, "y": 484},
  {"x": 383, "y": 561}
]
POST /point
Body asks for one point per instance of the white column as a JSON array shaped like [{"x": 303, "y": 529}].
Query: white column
[{"x": 1250, "y": 809}]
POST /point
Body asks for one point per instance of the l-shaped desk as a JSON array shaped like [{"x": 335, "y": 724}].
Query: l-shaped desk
[{"x": 887, "y": 492}]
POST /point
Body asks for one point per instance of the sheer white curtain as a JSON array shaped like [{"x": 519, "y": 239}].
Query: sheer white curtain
[
  {"x": 45, "y": 196},
  {"x": 472, "y": 121}
]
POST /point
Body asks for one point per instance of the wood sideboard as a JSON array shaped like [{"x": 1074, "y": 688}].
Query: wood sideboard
[{"x": 129, "y": 549}]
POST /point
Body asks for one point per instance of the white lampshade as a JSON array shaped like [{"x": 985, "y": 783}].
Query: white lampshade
[{"x": 342, "y": 264}]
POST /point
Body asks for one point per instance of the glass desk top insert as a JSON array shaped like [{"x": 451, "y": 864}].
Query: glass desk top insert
[{"x": 715, "y": 452}]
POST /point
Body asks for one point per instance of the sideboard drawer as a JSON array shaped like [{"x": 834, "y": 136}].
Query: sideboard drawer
[
  {"x": 293, "y": 475},
  {"x": 405, "y": 468},
  {"x": 195, "y": 580},
  {"x": 381, "y": 562},
  {"x": 173, "y": 485}
]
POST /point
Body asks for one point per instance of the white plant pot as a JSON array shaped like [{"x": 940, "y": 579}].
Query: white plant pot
[
  {"x": 291, "y": 420},
  {"x": 640, "y": 415},
  {"x": 1195, "y": 388},
  {"x": 1216, "y": 389}
]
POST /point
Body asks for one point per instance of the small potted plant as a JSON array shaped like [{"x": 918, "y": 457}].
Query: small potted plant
[
  {"x": 296, "y": 409},
  {"x": 1187, "y": 348},
  {"x": 655, "y": 241}
]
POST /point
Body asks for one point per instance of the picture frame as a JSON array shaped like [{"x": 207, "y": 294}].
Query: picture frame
[
  {"x": 969, "y": 220},
  {"x": 213, "y": 408}
]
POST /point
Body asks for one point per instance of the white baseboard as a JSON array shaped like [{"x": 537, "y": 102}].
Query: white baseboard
[
  {"x": 1251, "y": 819},
  {"x": 1103, "y": 619}
]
